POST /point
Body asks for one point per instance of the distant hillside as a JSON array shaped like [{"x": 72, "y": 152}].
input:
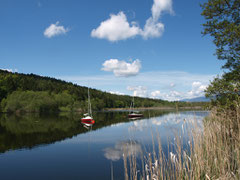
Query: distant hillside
[
  {"x": 30, "y": 92},
  {"x": 33, "y": 93},
  {"x": 198, "y": 99}
]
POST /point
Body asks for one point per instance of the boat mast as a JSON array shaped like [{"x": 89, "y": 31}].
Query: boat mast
[{"x": 89, "y": 104}]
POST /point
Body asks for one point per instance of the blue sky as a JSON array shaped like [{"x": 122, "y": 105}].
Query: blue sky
[{"x": 149, "y": 48}]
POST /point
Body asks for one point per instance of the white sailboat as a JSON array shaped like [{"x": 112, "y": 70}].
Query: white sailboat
[
  {"x": 132, "y": 113},
  {"x": 88, "y": 118}
]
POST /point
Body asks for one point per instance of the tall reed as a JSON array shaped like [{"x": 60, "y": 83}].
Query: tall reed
[{"x": 213, "y": 152}]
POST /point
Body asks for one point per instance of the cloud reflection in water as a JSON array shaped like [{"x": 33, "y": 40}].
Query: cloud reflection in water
[{"x": 127, "y": 148}]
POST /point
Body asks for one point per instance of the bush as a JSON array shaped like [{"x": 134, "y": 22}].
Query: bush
[{"x": 37, "y": 101}]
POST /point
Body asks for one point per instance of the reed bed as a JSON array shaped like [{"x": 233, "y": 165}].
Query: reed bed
[{"x": 212, "y": 153}]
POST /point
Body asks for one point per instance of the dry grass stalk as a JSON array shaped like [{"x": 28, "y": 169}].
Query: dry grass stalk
[{"x": 214, "y": 152}]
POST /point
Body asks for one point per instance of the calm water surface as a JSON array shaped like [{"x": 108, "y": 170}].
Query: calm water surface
[{"x": 60, "y": 147}]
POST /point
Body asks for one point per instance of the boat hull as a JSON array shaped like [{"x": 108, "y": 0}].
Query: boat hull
[
  {"x": 135, "y": 115},
  {"x": 87, "y": 121}
]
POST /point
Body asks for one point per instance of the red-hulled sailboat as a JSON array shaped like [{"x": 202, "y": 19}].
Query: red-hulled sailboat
[{"x": 88, "y": 118}]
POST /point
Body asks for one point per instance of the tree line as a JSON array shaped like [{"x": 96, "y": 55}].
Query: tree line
[{"x": 33, "y": 93}]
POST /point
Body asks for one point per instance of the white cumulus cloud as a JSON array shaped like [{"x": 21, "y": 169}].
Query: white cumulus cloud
[
  {"x": 139, "y": 91},
  {"x": 173, "y": 96},
  {"x": 54, "y": 30},
  {"x": 152, "y": 29},
  {"x": 122, "y": 68},
  {"x": 116, "y": 92},
  {"x": 197, "y": 89},
  {"x": 155, "y": 94},
  {"x": 170, "y": 96},
  {"x": 118, "y": 28},
  {"x": 159, "y": 6}
]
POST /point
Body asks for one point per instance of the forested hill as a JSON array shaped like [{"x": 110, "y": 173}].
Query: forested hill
[{"x": 33, "y": 93}]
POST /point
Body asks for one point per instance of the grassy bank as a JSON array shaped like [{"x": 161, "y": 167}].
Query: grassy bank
[{"x": 213, "y": 152}]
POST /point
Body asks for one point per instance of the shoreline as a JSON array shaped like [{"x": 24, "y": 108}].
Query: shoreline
[
  {"x": 156, "y": 108},
  {"x": 117, "y": 109}
]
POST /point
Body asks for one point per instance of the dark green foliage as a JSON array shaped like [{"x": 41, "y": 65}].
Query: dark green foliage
[
  {"x": 224, "y": 93},
  {"x": 32, "y": 93},
  {"x": 223, "y": 24},
  {"x": 222, "y": 129},
  {"x": 30, "y": 101}
]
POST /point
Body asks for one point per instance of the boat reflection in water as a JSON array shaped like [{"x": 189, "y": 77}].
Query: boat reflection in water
[
  {"x": 133, "y": 113},
  {"x": 135, "y": 118},
  {"x": 87, "y": 123}
]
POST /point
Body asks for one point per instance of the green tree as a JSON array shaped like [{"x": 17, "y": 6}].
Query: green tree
[{"x": 223, "y": 24}]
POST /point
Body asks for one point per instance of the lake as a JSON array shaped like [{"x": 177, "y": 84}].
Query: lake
[{"x": 61, "y": 147}]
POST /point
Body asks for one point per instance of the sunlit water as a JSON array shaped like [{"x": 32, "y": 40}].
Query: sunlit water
[{"x": 60, "y": 147}]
